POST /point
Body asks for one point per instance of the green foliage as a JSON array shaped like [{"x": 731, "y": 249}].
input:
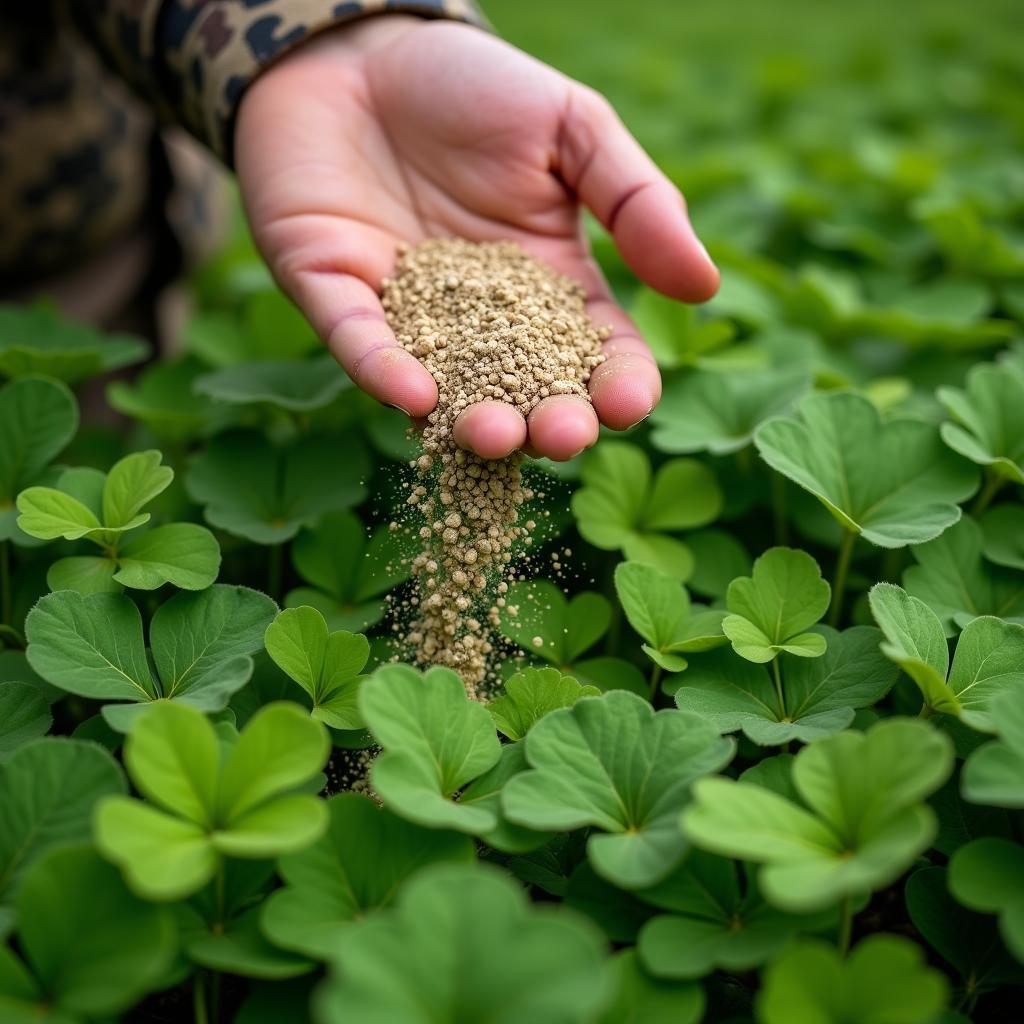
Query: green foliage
[
  {"x": 300, "y": 387},
  {"x": 200, "y": 647},
  {"x": 102, "y": 508},
  {"x": 530, "y": 695},
  {"x": 987, "y": 875},
  {"x": 994, "y": 773},
  {"x": 202, "y": 805}
]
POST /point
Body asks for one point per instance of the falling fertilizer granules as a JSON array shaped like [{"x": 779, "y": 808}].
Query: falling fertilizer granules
[{"x": 490, "y": 323}]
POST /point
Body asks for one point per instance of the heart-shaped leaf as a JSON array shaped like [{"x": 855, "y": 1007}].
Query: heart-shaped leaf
[
  {"x": 771, "y": 609},
  {"x": 185, "y": 555},
  {"x": 355, "y": 868},
  {"x": 326, "y": 665},
  {"x": 293, "y": 385},
  {"x": 956, "y": 582},
  {"x": 38, "y": 418},
  {"x": 613, "y": 763},
  {"x": 708, "y": 411},
  {"x": 820, "y": 695},
  {"x": 203, "y": 807},
  {"x": 70, "y": 892},
  {"x": 435, "y": 740},
  {"x": 885, "y": 978},
  {"x": 860, "y": 824},
  {"x": 530, "y": 695},
  {"x": 463, "y": 943},
  {"x": 894, "y": 482},
  {"x": 987, "y": 875},
  {"x": 265, "y": 494},
  {"x": 48, "y": 789},
  {"x": 994, "y": 773},
  {"x": 989, "y": 658},
  {"x": 201, "y": 646},
  {"x": 989, "y": 420}
]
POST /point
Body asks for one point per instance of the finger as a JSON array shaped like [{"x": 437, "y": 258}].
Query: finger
[
  {"x": 645, "y": 213},
  {"x": 562, "y": 426},
  {"x": 491, "y": 429}
]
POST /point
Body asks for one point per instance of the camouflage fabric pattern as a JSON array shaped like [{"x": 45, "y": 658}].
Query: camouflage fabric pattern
[{"x": 75, "y": 144}]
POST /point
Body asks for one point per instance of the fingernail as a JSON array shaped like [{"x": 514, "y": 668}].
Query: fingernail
[{"x": 397, "y": 408}]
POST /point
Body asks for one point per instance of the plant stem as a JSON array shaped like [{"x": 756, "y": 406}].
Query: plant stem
[
  {"x": 275, "y": 571},
  {"x": 926, "y": 711},
  {"x": 655, "y": 679},
  {"x": 777, "y": 676},
  {"x": 5, "y": 582},
  {"x": 839, "y": 579},
  {"x": 745, "y": 460},
  {"x": 199, "y": 998},
  {"x": 993, "y": 484},
  {"x": 780, "y": 522},
  {"x": 845, "y": 926}
]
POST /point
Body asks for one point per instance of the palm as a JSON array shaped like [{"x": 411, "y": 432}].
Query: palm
[{"x": 445, "y": 130}]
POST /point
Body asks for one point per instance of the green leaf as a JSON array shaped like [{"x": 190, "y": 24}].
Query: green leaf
[
  {"x": 530, "y": 695},
  {"x": 86, "y": 574},
  {"x": 820, "y": 694},
  {"x": 265, "y": 494},
  {"x": 1003, "y": 529},
  {"x": 185, "y": 555},
  {"x": 989, "y": 658},
  {"x": 987, "y": 875},
  {"x": 860, "y": 825},
  {"x": 989, "y": 420},
  {"x": 954, "y": 580},
  {"x": 719, "y": 558},
  {"x": 132, "y": 483},
  {"x": 642, "y": 999},
  {"x": 296, "y": 386},
  {"x": 967, "y": 941},
  {"x": 435, "y": 741},
  {"x": 354, "y": 869},
  {"x": 611, "y": 762},
  {"x": 894, "y": 482},
  {"x": 38, "y": 340},
  {"x": 240, "y": 948},
  {"x": 714, "y": 923},
  {"x": 771, "y": 609},
  {"x": 48, "y": 513},
  {"x": 48, "y": 789},
  {"x": 884, "y": 980},
  {"x": 24, "y": 716},
  {"x": 658, "y": 608},
  {"x": 714, "y": 412},
  {"x": 622, "y": 503},
  {"x": 326, "y": 665},
  {"x": 208, "y": 806},
  {"x": 676, "y": 333},
  {"x": 38, "y": 418},
  {"x": 994, "y": 773},
  {"x": 201, "y": 646},
  {"x": 68, "y": 893},
  {"x": 464, "y": 944},
  {"x": 566, "y": 628}
]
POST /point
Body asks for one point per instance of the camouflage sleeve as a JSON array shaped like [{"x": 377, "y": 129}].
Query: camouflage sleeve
[{"x": 192, "y": 59}]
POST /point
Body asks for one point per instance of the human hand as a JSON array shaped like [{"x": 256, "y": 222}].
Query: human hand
[{"x": 397, "y": 129}]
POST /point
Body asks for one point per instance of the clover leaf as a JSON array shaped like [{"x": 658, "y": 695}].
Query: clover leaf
[
  {"x": 819, "y": 695},
  {"x": 56, "y": 975},
  {"x": 860, "y": 823},
  {"x": 989, "y": 420},
  {"x": 463, "y": 943},
  {"x": 770, "y": 610},
  {"x": 289, "y": 384},
  {"x": 435, "y": 740},
  {"x": 623, "y": 506},
  {"x": 658, "y": 608},
  {"x": 613, "y": 763},
  {"x": 956, "y": 582},
  {"x": 266, "y": 494},
  {"x": 48, "y": 789},
  {"x": 531, "y": 694},
  {"x": 326, "y": 665},
  {"x": 203, "y": 805},
  {"x": 715, "y": 921},
  {"x": 994, "y": 773},
  {"x": 707, "y": 411},
  {"x": 200, "y": 644},
  {"x": 968, "y": 941},
  {"x": 38, "y": 340},
  {"x": 641, "y": 997},
  {"x": 355, "y": 868},
  {"x": 102, "y": 508},
  {"x": 885, "y": 978},
  {"x": 346, "y": 572},
  {"x": 989, "y": 656},
  {"x": 1003, "y": 529},
  {"x": 893, "y": 482},
  {"x": 987, "y": 875},
  {"x": 38, "y": 418}
]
